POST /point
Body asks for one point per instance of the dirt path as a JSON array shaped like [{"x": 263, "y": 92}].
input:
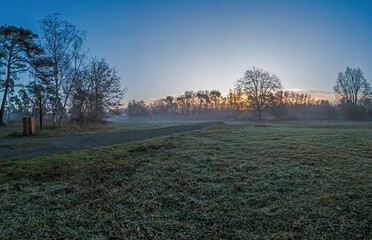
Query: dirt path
[{"x": 32, "y": 147}]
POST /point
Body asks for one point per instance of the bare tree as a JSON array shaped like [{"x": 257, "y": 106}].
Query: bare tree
[
  {"x": 137, "y": 109},
  {"x": 169, "y": 100},
  {"x": 181, "y": 104},
  {"x": 38, "y": 86},
  {"x": 352, "y": 87},
  {"x": 17, "y": 47},
  {"x": 189, "y": 95},
  {"x": 62, "y": 44},
  {"x": 259, "y": 87},
  {"x": 214, "y": 97},
  {"x": 98, "y": 91},
  {"x": 235, "y": 100},
  {"x": 203, "y": 97}
]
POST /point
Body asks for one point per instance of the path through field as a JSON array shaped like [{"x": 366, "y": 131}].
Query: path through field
[{"x": 21, "y": 147}]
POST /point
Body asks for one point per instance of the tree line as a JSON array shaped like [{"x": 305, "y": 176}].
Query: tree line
[
  {"x": 62, "y": 81},
  {"x": 259, "y": 95}
]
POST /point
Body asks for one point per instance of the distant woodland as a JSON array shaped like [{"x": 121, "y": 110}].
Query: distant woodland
[
  {"x": 259, "y": 95},
  {"x": 212, "y": 105},
  {"x": 63, "y": 84}
]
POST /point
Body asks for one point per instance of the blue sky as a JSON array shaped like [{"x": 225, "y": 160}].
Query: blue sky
[{"x": 164, "y": 47}]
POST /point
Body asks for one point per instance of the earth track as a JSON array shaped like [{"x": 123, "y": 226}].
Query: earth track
[{"x": 13, "y": 148}]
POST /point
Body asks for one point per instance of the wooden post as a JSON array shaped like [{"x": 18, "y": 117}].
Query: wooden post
[
  {"x": 31, "y": 125},
  {"x": 28, "y": 125}
]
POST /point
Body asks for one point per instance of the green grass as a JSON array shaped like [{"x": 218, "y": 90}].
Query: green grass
[
  {"x": 21, "y": 145},
  {"x": 228, "y": 182},
  {"x": 73, "y": 129}
]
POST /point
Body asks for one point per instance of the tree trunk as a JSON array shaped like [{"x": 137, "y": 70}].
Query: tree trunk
[
  {"x": 2, "y": 109},
  {"x": 41, "y": 112},
  {"x": 54, "y": 115},
  {"x": 63, "y": 108},
  {"x": 259, "y": 114}
]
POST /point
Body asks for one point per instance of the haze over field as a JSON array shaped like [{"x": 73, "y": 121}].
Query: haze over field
[
  {"x": 163, "y": 48},
  {"x": 186, "y": 119}
]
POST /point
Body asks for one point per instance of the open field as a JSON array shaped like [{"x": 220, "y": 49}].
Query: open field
[{"x": 242, "y": 181}]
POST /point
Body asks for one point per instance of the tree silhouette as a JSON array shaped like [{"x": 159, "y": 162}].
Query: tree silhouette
[
  {"x": 354, "y": 92},
  {"x": 97, "y": 91},
  {"x": 169, "y": 100},
  {"x": 214, "y": 97},
  {"x": 259, "y": 87},
  {"x": 203, "y": 97},
  {"x": 62, "y": 44},
  {"x": 17, "y": 48},
  {"x": 137, "y": 109}
]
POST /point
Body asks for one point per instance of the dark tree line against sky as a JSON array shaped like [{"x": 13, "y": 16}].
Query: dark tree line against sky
[
  {"x": 258, "y": 94},
  {"x": 62, "y": 80},
  {"x": 235, "y": 105},
  {"x": 64, "y": 84},
  {"x": 354, "y": 92}
]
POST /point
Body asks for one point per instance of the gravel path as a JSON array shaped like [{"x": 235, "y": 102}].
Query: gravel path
[{"x": 32, "y": 147}]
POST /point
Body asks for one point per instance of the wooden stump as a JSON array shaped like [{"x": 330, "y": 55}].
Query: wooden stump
[{"x": 29, "y": 125}]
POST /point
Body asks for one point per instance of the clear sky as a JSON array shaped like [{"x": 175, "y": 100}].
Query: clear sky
[{"x": 165, "y": 47}]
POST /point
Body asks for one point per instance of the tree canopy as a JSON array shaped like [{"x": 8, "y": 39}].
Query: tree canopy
[
  {"x": 259, "y": 87},
  {"x": 60, "y": 74},
  {"x": 17, "y": 48},
  {"x": 354, "y": 92}
]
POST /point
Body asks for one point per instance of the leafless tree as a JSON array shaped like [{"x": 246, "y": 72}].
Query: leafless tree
[
  {"x": 203, "y": 98},
  {"x": 259, "y": 87},
  {"x": 97, "y": 92},
  {"x": 169, "y": 100},
  {"x": 352, "y": 87},
  {"x": 62, "y": 43},
  {"x": 137, "y": 109},
  {"x": 235, "y": 100},
  {"x": 214, "y": 97}
]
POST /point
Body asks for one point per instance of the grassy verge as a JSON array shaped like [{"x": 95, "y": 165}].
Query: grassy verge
[
  {"x": 21, "y": 145},
  {"x": 227, "y": 182},
  {"x": 73, "y": 129}
]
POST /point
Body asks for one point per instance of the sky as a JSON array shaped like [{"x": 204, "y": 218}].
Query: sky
[{"x": 166, "y": 47}]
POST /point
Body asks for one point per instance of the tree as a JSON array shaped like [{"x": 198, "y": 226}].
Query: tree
[
  {"x": 39, "y": 87},
  {"x": 97, "y": 92},
  {"x": 187, "y": 100},
  {"x": 62, "y": 44},
  {"x": 137, "y": 109},
  {"x": 17, "y": 47},
  {"x": 159, "y": 107},
  {"x": 214, "y": 97},
  {"x": 21, "y": 104},
  {"x": 259, "y": 87},
  {"x": 169, "y": 100},
  {"x": 203, "y": 97},
  {"x": 354, "y": 91}
]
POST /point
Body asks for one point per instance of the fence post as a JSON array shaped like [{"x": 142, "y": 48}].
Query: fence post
[{"x": 28, "y": 125}]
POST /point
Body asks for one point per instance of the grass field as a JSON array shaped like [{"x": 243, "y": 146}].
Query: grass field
[
  {"x": 246, "y": 181},
  {"x": 15, "y": 130}
]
